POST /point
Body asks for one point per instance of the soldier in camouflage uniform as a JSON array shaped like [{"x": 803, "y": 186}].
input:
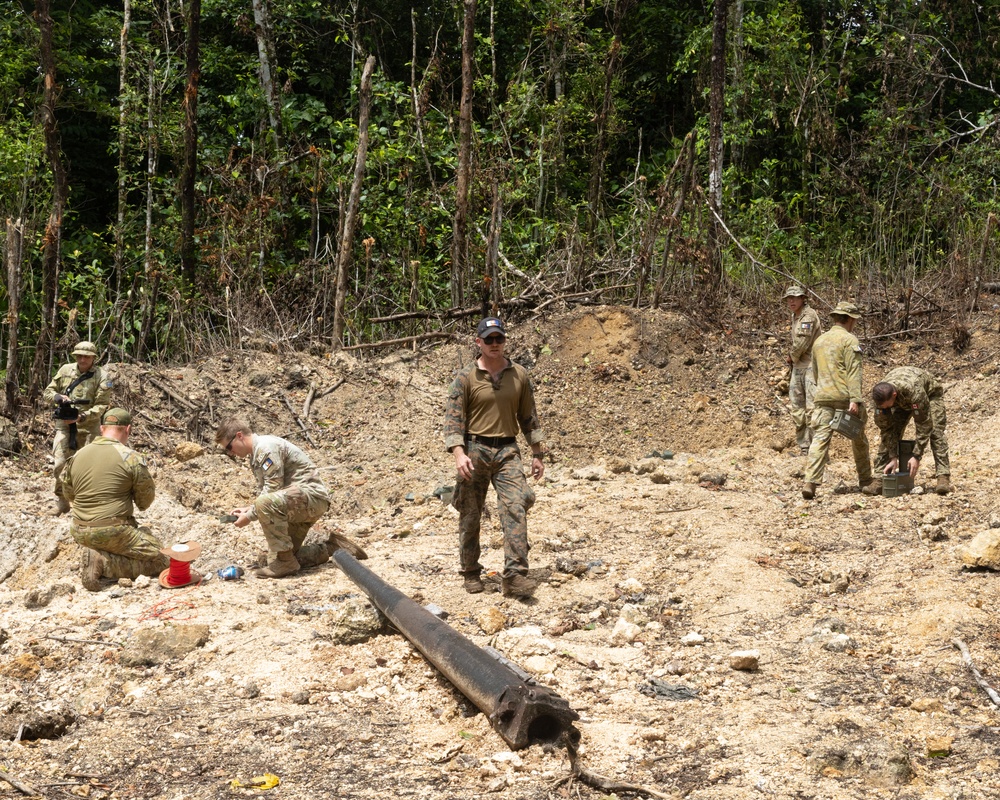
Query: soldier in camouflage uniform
[
  {"x": 488, "y": 403},
  {"x": 105, "y": 481},
  {"x": 912, "y": 392},
  {"x": 801, "y": 388},
  {"x": 291, "y": 498},
  {"x": 836, "y": 369},
  {"x": 90, "y": 390}
]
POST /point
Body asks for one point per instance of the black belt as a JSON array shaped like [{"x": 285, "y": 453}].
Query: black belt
[{"x": 492, "y": 441}]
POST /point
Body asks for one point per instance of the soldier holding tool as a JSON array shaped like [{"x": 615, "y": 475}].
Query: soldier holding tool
[
  {"x": 291, "y": 499},
  {"x": 836, "y": 369},
  {"x": 488, "y": 403},
  {"x": 911, "y": 392},
  {"x": 80, "y": 393}
]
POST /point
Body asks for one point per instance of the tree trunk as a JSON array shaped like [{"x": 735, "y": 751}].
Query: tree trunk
[
  {"x": 52, "y": 240},
  {"x": 351, "y": 217},
  {"x": 268, "y": 62},
  {"x": 15, "y": 248},
  {"x": 603, "y": 119},
  {"x": 123, "y": 108},
  {"x": 152, "y": 274},
  {"x": 189, "y": 169},
  {"x": 715, "y": 142},
  {"x": 460, "y": 233}
]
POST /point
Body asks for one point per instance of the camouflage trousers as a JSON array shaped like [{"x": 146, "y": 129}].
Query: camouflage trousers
[
  {"x": 502, "y": 467},
  {"x": 61, "y": 452},
  {"x": 897, "y": 422},
  {"x": 129, "y": 550},
  {"x": 286, "y": 516},
  {"x": 819, "y": 450},
  {"x": 801, "y": 389}
]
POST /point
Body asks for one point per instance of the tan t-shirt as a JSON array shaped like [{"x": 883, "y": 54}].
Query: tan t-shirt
[{"x": 107, "y": 479}]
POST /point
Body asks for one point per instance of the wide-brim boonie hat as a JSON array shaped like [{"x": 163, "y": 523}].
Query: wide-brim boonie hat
[
  {"x": 794, "y": 291},
  {"x": 846, "y": 309}
]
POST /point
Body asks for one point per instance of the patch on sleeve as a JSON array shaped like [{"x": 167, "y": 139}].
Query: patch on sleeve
[
  {"x": 806, "y": 327},
  {"x": 108, "y": 384},
  {"x": 268, "y": 463}
]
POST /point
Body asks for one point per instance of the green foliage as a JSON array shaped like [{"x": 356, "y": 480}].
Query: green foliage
[{"x": 859, "y": 138}]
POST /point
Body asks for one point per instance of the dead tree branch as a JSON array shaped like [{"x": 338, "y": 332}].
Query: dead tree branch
[{"x": 979, "y": 679}]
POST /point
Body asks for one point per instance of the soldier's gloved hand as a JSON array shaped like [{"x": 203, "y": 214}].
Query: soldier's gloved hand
[{"x": 81, "y": 416}]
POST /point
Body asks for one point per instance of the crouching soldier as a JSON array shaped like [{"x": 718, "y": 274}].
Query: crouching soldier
[
  {"x": 911, "y": 392},
  {"x": 291, "y": 499}
]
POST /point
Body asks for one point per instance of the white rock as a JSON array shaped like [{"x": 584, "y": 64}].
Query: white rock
[
  {"x": 624, "y": 632},
  {"x": 746, "y": 660},
  {"x": 507, "y": 757},
  {"x": 693, "y": 638}
]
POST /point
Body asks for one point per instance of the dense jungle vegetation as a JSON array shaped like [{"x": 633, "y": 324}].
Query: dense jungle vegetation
[{"x": 324, "y": 173}]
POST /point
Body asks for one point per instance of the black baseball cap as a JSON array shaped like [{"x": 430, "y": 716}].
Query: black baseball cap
[{"x": 488, "y": 326}]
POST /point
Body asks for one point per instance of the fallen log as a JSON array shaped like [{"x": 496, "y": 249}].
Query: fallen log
[{"x": 520, "y": 710}]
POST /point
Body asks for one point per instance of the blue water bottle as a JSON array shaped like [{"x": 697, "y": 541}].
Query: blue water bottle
[{"x": 230, "y": 573}]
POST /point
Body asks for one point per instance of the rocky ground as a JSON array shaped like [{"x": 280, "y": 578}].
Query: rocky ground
[{"x": 654, "y": 572}]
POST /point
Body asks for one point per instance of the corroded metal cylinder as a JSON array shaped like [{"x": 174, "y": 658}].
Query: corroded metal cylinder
[{"x": 519, "y": 709}]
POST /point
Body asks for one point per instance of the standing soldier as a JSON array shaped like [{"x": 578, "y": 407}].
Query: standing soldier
[
  {"x": 911, "y": 392},
  {"x": 836, "y": 369},
  {"x": 80, "y": 393},
  {"x": 488, "y": 403},
  {"x": 801, "y": 387},
  {"x": 106, "y": 481},
  {"x": 291, "y": 499}
]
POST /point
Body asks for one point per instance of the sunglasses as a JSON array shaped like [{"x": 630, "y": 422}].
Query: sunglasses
[
  {"x": 495, "y": 339},
  {"x": 229, "y": 447}
]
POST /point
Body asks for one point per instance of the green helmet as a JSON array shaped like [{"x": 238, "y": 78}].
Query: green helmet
[{"x": 85, "y": 349}]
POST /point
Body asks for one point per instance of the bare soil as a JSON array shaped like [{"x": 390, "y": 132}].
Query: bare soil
[{"x": 888, "y": 710}]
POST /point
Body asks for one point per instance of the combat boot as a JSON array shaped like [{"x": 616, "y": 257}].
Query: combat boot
[
  {"x": 518, "y": 586},
  {"x": 871, "y": 487},
  {"x": 337, "y": 541},
  {"x": 91, "y": 570},
  {"x": 59, "y": 507},
  {"x": 808, "y": 491},
  {"x": 473, "y": 583},
  {"x": 284, "y": 564},
  {"x": 943, "y": 485}
]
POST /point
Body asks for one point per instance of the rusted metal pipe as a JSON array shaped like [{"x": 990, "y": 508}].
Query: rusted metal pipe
[{"x": 520, "y": 710}]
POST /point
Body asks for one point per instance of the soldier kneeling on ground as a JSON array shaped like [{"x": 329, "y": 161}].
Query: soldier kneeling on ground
[
  {"x": 105, "y": 481},
  {"x": 291, "y": 499}
]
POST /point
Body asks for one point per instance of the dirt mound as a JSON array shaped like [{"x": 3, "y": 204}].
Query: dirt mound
[{"x": 655, "y": 569}]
